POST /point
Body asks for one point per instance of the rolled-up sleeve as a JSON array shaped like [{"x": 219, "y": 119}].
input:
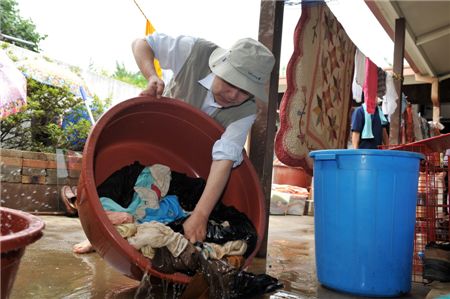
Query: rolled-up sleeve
[
  {"x": 171, "y": 52},
  {"x": 231, "y": 143}
]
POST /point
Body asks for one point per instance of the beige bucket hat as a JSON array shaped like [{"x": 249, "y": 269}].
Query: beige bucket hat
[{"x": 247, "y": 65}]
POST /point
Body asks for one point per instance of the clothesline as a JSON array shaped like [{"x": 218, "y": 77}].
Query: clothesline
[
  {"x": 371, "y": 83},
  {"x": 379, "y": 85}
]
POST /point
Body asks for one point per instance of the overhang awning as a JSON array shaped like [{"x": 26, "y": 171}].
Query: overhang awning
[{"x": 427, "y": 36}]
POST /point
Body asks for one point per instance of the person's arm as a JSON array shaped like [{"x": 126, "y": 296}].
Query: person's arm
[
  {"x": 226, "y": 153},
  {"x": 357, "y": 126},
  {"x": 385, "y": 136},
  {"x": 144, "y": 56},
  {"x": 355, "y": 139},
  {"x": 195, "y": 226}
]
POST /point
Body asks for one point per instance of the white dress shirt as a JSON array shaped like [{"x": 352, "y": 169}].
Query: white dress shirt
[{"x": 172, "y": 53}]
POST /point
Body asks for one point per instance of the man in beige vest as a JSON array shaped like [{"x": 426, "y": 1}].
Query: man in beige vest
[{"x": 222, "y": 83}]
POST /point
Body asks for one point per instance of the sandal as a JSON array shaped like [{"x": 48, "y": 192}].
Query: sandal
[
  {"x": 69, "y": 200},
  {"x": 74, "y": 190}
]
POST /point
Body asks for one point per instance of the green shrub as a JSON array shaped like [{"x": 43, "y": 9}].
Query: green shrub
[{"x": 38, "y": 127}]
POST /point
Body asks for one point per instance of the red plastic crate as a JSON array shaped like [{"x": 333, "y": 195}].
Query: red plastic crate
[{"x": 432, "y": 211}]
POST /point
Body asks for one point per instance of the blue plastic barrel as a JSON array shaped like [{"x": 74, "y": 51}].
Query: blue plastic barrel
[{"x": 364, "y": 215}]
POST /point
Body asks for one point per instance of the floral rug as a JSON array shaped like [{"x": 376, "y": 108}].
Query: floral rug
[{"x": 315, "y": 109}]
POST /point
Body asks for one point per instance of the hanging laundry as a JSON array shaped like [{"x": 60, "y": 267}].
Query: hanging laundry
[
  {"x": 417, "y": 129},
  {"x": 358, "y": 76},
  {"x": 370, "y": 86},
  {"x": 381, "y": 89},
  {"x": 360, "y": 67},
  {"x": 390, "y": 98}
]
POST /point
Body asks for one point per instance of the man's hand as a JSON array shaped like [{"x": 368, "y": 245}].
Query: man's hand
[
  {"x": 195, "y": 227},
  {"x": 155, "y": 87}
]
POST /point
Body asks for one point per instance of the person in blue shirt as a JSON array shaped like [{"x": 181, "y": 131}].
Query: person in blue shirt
[{"x": 368, "y": 130}]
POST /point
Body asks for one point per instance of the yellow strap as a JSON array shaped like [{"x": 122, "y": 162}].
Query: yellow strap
[{"x": 149, "y": 29}]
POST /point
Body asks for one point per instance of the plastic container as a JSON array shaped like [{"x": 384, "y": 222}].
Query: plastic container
[
  {"x": 18, "y": 230},
  {"x": 152, "y": 131},
  {"x": 365, "y": 203},
  {"x": 295, "y": 176}
]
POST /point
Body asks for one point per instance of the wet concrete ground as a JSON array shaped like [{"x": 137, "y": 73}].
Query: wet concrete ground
[{"x": 50, "y": 270}]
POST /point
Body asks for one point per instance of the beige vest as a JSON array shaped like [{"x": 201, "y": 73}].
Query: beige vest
[{"x": 185, "y": 85}]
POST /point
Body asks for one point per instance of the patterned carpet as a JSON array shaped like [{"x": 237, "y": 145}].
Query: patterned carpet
[{"x": 315, "y": 109}]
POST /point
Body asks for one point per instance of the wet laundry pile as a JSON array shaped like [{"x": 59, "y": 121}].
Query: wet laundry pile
[
  {"x": 148, "y": 206},
  {"x": 436, "y": 262},
  {"x": 436, "y": 269}
]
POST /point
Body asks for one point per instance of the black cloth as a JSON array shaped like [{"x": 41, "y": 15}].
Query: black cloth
[
  {"x": 186, "y": 262},
  {"x": 187, "y": 189},
  {"x": 249, "y": 285},
  {"x": 224, "y": 281},
  {"x": 119, "y": 185},
  {"x": 240, "y": 227}
]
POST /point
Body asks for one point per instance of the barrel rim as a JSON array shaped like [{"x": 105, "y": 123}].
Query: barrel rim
[{"x": 367, "y": 152}]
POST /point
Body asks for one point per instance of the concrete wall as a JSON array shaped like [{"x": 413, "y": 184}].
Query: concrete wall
[
  {"x": 105, "y": 87},
  {"x": 31, "y": 181}
]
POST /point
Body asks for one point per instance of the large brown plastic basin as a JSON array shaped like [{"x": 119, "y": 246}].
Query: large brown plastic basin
[
  {"x": 18, "y": 230},
  {"x": 165, "y": 131}
]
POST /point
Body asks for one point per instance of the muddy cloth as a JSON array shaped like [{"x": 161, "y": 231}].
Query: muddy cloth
[
  {"x": 217, "y": 251},
  {"x": 236, "y": 261},
  {"x": 119, "y": 185},
  {"x": 187, "y": 262},
  {"x": 436, "y": 262},
  {"x": 126, "y": 230},
  {"x": 156, "y": 235},
  {"x": 224, "y": 280},
  {"x": 248, "y": 285},
  {"x": 225, "y": 224}
]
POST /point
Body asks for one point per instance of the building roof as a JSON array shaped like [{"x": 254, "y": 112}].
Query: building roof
[{"x": 427, "y": 37}]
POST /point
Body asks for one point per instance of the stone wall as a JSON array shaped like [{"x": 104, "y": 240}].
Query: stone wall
[{"x": 31, "y": 181}]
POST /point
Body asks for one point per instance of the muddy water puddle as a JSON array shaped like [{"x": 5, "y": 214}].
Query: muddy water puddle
[{"x": 49, "y": 269}]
